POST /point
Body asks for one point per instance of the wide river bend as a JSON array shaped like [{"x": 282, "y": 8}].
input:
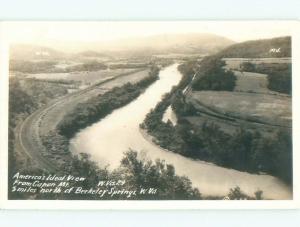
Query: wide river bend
[{"x": 107, "y": 140}]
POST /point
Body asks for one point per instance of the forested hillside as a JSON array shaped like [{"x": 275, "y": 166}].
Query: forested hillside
[{"x": 264, "y": 48}]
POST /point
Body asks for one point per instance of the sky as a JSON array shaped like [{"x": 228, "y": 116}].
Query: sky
[{"x": 49, "y": 32}]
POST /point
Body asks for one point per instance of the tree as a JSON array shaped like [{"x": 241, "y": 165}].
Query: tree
[
  {"x": 213, "y": 76},
  {"x": 248, "y": 67},
  {"x": 237, "y": 194},
  {"x": 159, "y": 175}
]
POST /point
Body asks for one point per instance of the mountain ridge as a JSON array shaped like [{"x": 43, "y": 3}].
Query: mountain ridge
[
  {"x": 187, "y": 43},
  {"x": 260, "y": 48}
]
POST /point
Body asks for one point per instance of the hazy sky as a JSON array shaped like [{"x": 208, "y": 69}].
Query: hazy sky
[{"x": 47, "y": 33}]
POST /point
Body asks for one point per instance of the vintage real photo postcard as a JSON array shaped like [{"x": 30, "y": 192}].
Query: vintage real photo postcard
[{"x": 171, "y": 114}]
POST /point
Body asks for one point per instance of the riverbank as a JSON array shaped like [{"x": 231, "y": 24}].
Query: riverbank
[
  {"x": 151, "y": 139},
  {"x": 94, "y": 109},
  {"x": 215, "y": 182},
  {"x": 251, "y": 151},
  {"x": 56, "y": 142},
  {"x": 107, "y": 140},
  {"x": 57, "y": 147}
]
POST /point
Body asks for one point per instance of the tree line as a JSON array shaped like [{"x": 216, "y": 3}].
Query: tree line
[
  {"x": 100, "y": 106},
  {"x": 50, "y": 66},
  {"x": 279, "y": 75},
  {"x": 213, "y": 76}
]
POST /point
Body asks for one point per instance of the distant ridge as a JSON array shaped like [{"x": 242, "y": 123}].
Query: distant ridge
[
  {"x": 90, "y": 53},
  {"x": 189, "y": 43},
  {"x": 264, "y": 48},
  {"x": 29, "y": 51}
]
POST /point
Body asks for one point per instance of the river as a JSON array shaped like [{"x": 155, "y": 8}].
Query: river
[{"x": 107, "y": 140}]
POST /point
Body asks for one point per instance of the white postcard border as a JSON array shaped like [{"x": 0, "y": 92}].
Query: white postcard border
[{"x": 148, "y": 205}]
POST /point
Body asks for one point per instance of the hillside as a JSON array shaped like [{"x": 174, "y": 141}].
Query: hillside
[
  {"x": 28, "y": 52},
  {"x": 190, "y": 43},
  {"x": 90, "y": 53},
  {"x": 173, "y": 43},
  {"x": 259, "y": 49}
]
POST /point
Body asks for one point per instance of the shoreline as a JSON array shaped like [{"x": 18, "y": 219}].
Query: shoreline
[{"x": 150, "y": 138}]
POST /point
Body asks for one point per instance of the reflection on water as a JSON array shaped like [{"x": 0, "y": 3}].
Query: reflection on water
[{"x": 106, "y": 141}]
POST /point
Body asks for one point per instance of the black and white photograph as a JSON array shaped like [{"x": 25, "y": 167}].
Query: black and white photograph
[{"x": 149, "y": 110}]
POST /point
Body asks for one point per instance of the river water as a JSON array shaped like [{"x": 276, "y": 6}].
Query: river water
[{"x": 108, "y": 139}]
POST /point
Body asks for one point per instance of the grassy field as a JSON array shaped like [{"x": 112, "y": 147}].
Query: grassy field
[
  {"x": 86, "y": 78},
  {"x": 235, "y": 63},
  {"x": 252, "y": 82},
  {"x": 270, "y": 109},
  {"x": 250, "y": 103}
]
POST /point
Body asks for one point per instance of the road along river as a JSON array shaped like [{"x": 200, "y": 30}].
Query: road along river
[{"x": 107, "y": 139}]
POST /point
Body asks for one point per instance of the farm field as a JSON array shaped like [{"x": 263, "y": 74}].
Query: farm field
[
  {"x": 54, "y": 115},
  {"x": 251, "y": 82},
  {"x": 247, "y": 106},
  {"x": 235, "y": 63},
  {"x": 85, "y": 77},
  {"x": 251, "y": 104}
]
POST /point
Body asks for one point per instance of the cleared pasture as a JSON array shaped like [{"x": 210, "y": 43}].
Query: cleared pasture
[
  {"x": 66, "y": 64},
  {"x": 85, "y": 77},
  {"x": 235, "y": 63},
  {"x": 270, "y": 109},
  {"x": 134, "y": 75},
  {"x": 251, "y": 82}
]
